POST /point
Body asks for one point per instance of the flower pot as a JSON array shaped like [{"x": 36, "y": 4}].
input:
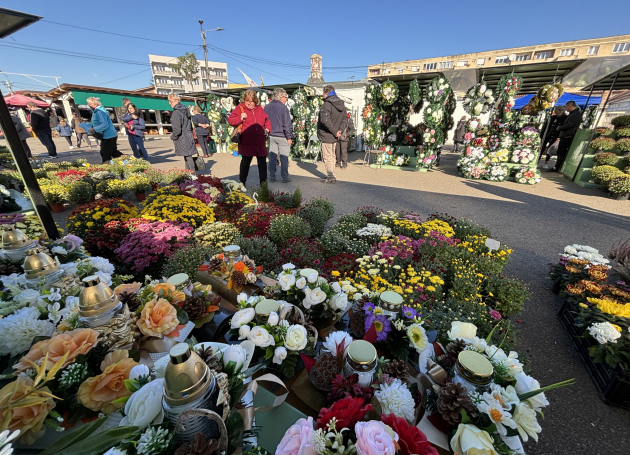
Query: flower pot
[
  {"x": 620, "y": 196},
  {"x": 555, "y": 288},
  {"x": 57, "y": 208},
  {"x": 141, "y": 196}
]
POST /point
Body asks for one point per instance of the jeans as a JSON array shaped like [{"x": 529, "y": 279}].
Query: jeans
[
  {"x": 341, "y": 153},
  {"x": 137, "y": 142},
  {"x": 81, "y": 137},
  {"x": 246, "y": 161},
  {"x": 279, "y": 146},
  {"x": 45, "y": 137},
  {"x": 328, "y": 154},
  {"x": 563, "y": 149}
]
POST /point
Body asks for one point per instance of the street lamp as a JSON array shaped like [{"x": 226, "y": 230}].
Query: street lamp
[{"x": 205, "y": 47}]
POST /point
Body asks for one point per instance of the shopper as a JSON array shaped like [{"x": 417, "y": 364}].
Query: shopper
[
  {"x": 341, "y": 149},
  {"x": 22, "y": 133},
  {"x": 280, "y": 135},
  {"x": 203, "y": 130},
  {"x": 54, "y": 120},
  {"x": 65, "y": 131},
  {"x": 40, "y": 124},
  {"x": 101, "y": 125},
  {"x": 79, "y": 131},
  {"x": 254, "y": 126},
  {"x": 460, "y": 131},
  {"x": 135, "y": 125},
  {"x": 182, "y": 135},
  {"x": 566, "y": 131},
  {"x": 331, "y": 122},
  {"x": 551, "y": 125},
  {"x": 125, "y": 103}
]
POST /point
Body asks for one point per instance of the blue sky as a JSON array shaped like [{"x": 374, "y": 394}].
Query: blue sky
[{"x": 346, "y": 34}]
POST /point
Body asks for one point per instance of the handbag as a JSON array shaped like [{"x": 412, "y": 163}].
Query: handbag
[
  {"x": 200, "y": 164},
  {"x": 236, "y": 134}
]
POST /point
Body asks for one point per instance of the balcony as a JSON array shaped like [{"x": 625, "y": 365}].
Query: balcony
[
  {"x": 166, "y": 85},
  {"x": 163, "y": 72}
]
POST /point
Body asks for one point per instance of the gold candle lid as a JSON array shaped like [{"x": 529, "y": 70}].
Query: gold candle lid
[
  {"x": 361, "y": 355},
  {"x": 95, "y": 298},
  {"x": 232, "y": 251},
  {"x": 38, "y": 264},
  {"x": 13, "y": 238},
  {"x": 187, "y": 377},
  {"x": 266, "y": 306},
  {"x": 474, "y": 367},
  {"x": 391, "y": 301},
  {"x": 178, "y": 279}
]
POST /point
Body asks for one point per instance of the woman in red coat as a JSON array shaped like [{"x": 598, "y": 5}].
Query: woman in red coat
[{"x": 255, "y": 127}]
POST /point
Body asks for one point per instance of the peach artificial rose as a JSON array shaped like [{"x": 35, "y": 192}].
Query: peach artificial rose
[
  {"x": 113, "y": 357},
  {"x": 131, "y": 288},
  {"x": 98, "y": 392},
  {"x": 76, "y": 342},
  {"x": 158, "y": 317},
  {"x": 169, "y": 292},
  {"x": 29, "y": 419}
]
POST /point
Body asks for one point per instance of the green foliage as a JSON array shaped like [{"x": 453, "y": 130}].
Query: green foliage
[
  {"x": 80, "y": 192},
  {"x": 187, "y": 260},
  {"x": 316, "y": 217},
  {"x": 261, "y": 250},
  {"x": 334, "y": 243},
  {"x": 624, "y": 144},
  {"x": 602, "y": 143},
  {"x": 623, "y": 132},
  {"x": 622, "y": 120},
  {"x": 263, "y": 192},
  {"x": 602, "y": 174},
  {"x": 297, "y": 197},
  {"x": 606, "y": 158},
  {"x": 285, "y": 201},
  {"x": 619, "y": 184},
  {"x": 285, "y": 227},
  {"x": 187, "y": 66},
  {"x": 326, "y": 205},
  {"x": 506, "y": 295},
  {"x": 466, "y": 228}
]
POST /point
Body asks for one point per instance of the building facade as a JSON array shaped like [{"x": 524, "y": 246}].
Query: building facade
[
  {"x": 553, "y": 52},
  {"x": 167, "y": 80}
]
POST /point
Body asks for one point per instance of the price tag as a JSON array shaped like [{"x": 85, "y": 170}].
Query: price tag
[{"x": 493, "y": 244}]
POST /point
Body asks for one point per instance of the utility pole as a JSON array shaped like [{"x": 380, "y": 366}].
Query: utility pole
[{"x": 205, "y": 49}]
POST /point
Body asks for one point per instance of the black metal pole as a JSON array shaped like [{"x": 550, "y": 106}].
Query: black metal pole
[
  {"x": 612, "y": 86},
  {"x": 25, "y": 169},
  {"x": 587, "y": 100}
]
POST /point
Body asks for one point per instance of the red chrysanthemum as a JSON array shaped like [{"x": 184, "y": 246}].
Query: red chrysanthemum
[
  {"x": 347, "y": 411},
  {"x": 411, "y": 440}
]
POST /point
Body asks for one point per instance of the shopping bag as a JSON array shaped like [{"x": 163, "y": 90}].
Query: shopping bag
[{"x": 553, "y": 149}]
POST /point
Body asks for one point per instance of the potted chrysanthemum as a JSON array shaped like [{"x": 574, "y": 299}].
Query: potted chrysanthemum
[{"x": 619, "y": 187}]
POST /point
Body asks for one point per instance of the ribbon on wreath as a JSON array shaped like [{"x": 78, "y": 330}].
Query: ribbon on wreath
[{"x": 247, "y": 412}]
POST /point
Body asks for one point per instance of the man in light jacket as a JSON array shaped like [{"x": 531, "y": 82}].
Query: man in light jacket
[
  {"x": 566, "y": 132},
  {"x": 280, "y": 136},
  {"x": 331, "y": 122}
]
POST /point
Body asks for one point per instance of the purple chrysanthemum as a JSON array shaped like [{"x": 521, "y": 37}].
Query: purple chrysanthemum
[{"x": 382, "y": 326}]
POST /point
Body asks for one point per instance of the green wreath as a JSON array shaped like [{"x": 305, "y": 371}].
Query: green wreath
[
  {"x": 509, "y": 85},
  {"x": 438, "y": 90},
  {"x": 371, "y": 94},
  {"x": 415, "y": 95},
  {"x": 435, "y": 115},
  {"x": 478, "y": 100},
  {"x": 551, "y": 92},
  {"x": 389, "y": 93}
]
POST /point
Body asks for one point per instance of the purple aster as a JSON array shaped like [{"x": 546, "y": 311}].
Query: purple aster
[
  {"x": 409, "y": 312},
  {"x": 368, "y": 307},
  {"x": 369, "y": 320},
  {"x": 382, "y": 326}
]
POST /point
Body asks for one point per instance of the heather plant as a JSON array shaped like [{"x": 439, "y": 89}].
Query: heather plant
[
  {"x": 302, "y": 253},
  {"x": 285, "y": 201},
  {"x": 316, "y": 217},
  {"x": 285, "y": 227},
  {"x": 261, "y": 250}
]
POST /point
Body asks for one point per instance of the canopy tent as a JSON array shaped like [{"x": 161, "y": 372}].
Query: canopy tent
[
  {"x": 114, "y": 100},
  {"x": 566, "y": 97},
  {"x": 18, "y": 100}
]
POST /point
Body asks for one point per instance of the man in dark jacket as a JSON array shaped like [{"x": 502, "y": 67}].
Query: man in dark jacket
[
  {"x": 566, "y": 131},
  {"x": 460, "y": 132},
  {"x": 54, "y": 120},
  {"x": 280, "y": 135},
  {"x": 22, "y": 133},
  {"x": 40, "y": 124},
  {"x": 331, "y": 122},
  {"x": 341, "y": 150},
  {"x": 549, "y": 132},
  {"x": 182, "y": 137}
]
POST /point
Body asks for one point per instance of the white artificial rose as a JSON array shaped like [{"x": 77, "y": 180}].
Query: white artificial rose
[
  {"x": 279, "y": 354},
  {"x": 242, "y": 297},
  {"x": 336, "y": 288},
  {"x": 288, "y": 266},
  {"x": 462, "y": 330},
  {"x": 139, "y": 370},
  {"x": 478, "y": 343},
  {"x": 524, "y": 384},
  {"x": 243, "y": 332},
  {"x": 144, "y": 407},
  {"x": 273, "y": 319},
  {"x": 28, "y": 297},
  {"x": 300, "y": 283},
  {"x": 58, "y": 250},
  {"x": 470, "y": 440},
  {"x": 243, "y": 317},
  {"x": 286, "y": 280},
  {"x": 235, "y": 353},
  {"x": 116, "y": 451},
  {"x": 260, "y": 337},
  {"x": 495, "y": 353},
  {"x": 312, "y": 277},
  {"x": 159, "y": 366},
  {"x": 313, "y": 297},
  {"x": 339, "y": 302},
  {"x": 296, "y": 338}
]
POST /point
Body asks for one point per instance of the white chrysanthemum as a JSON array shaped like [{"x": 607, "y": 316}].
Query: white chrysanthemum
[
  {"x": 18, "y": 330},
  {"x": 102, "y": 264},
  {"x": 396, "y": 398},
  {"x": 604, "y": 332},
  {"x": 499, "y": 416},
  {"x": 335, "y": 339}
]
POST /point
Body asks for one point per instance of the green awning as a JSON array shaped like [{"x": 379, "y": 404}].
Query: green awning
[{"x": 115, "y": 100}]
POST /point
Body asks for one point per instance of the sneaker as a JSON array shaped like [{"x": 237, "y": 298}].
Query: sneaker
[
  {"x": 53, "y": 157},
  {"x": 71, "y": 147},
  {"x": 545, "y": 167},
  {"x": 286, "y": 181},
  {"x": 337, "y": 165}
]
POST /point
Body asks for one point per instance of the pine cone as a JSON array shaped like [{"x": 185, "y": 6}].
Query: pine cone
[
  {"x": 455, "y": 347},
  {"x": 238, "y": 280},
  {"x": 199, "y": 446},
  {"x": 397, "y": 369},
  {"x": 451, "y": 400},
  {"x": 324, "y": 370},
  {"x": 130, "y": 299},
  {"x": 8, "y": 269},
  {"x": 357, "y": 323},
  {"x": 195, "y": 307},
  {"x": 215, "y": 263}
]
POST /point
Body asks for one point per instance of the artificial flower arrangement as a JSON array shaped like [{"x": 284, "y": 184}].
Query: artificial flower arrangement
[
  {"x": 523, "y": 156},
  {"x": 236, "y": 274},
  {"x": 499, "y": 156},
  {"x": 478, "y": 99},
  {"x": 426, "y": 157},
  {"x": 438, "y": 90},
  {"x": 497, "y": 172},
  {"x": 388, "y": 92},
  {"x": 493, "y": 142},
  {"x": 387, "y": 152},
  {"x": 528, "y": 175},
  {"x": 529, "y": 137}
]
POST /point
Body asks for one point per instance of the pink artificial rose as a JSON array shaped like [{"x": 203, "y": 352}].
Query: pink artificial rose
[
  {"x": 373, "y": 439},
  {"x": 432, "y": 131},
  {"x": 298, "y": 440},
  {"x": 432, "y": 141}
]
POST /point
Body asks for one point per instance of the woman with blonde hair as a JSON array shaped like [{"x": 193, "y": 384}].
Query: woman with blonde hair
[{"x": 254, "y": 126}]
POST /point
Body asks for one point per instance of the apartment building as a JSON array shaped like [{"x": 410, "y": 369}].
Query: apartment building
[
  {"x": 541, "y": 53},
  {"x": 167, "y": 80}
]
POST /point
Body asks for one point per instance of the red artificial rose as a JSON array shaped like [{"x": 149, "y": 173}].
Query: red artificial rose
[
  {"x": 348, "y": 412},
  {"x": 411, "y": 440}
]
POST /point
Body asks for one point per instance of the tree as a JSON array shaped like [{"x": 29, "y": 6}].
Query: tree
[{"x": 187, "y": 67}]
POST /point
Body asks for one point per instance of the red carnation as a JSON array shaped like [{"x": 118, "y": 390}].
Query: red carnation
[
  {"x": 410, "y": 439},
  {"x": 348, "y": 412}
]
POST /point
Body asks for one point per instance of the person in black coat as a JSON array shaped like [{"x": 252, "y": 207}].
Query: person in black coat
[
  {"x": 551, "y": 131},
  {"x": 460, "y": 132},
  {"x": 331, "y": 122},
  {"x": 22, "y": 133},
  {"x": 40, "y": 124},
  {"x": 566, "y": 131},
  {"x": 203, "y": 130},
  {"x": 182, "y": 136}
]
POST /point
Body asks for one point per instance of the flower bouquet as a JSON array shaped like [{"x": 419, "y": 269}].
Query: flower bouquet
[
  {"x": 236, "y": 274},
  {"x": 431, "y": 138},
  {"x": 528, "y": 175},
  {"x": 523, "y": 156},
  {"x": 493, "y": 142},
  {"x": 426, "y": 158},
  {"x": 438, "y": 90},
  {"x": 389, "y": 93},
  {"x": 478, "y": 99},
  {"x": 499, "y": 156},
  {"x": 497, "y": 173},
  {"x": 529, "y": 137}
]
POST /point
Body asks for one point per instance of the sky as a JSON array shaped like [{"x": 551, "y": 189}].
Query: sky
[{"x": 276, "y": 39}]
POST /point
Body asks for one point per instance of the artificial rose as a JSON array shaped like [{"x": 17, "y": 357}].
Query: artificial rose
[
  {"x": 411, "y": 440},
  {"x": 286, "y": 280},
  {"x": 336, "y": 287},
  {"x": 470, "y": 440},
  {"x": 312, "y": 277},
  {"x": 130, "y": 288},
  {"x": 113, "y": 357},
  {"x": 300, "y": 283},
  {"x": 313, "y": 297},
  {"x": 28, "y": 297},
  {"x": 298, "y": 439},
  {"x": 296, "y": 338},
  {"x": 98, "y": 392},
  {"x": 76, "y": 342},
  {"x": 524, "y": 384},
  {"x": 169, "y": 292},
  {"x": 29, "y": 419},
  {"x": 374, "y": 439},
  {"x": 462, "y": 330},
  {"x": 273, "y": 319},
  {"x": 279, "y": 354},
  {"x": 242, "y": 317},
  {"x": 234, "y": 353},
  {"x": 339, "y": 302},
  {"x": 139, "y": 371},
  {"x": 158, "y": 317},
  {"x": 348, "y": 411},
  {"x": 260, "y": 337},
  {"x": 243, "y": 332},
  {"x": 144, "y": 407}
]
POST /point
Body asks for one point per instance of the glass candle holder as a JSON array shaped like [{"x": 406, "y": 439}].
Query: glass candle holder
[
  {"x": 264, "y": 308},
  {"x": 360, "y": 359},
  {"x": 473, "y": 371},
  {"x": 391, "y": 303},
  {"x": 231, "y": 254}
]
